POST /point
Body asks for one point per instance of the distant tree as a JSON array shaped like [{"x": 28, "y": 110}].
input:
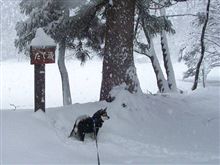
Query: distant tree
[
  {"x": 202, "y": 47},
  {"x": 209, "y": 37},
  {"x": 8, "y": 18}
]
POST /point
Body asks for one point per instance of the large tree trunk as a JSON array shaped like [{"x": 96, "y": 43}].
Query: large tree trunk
[
  {"x": 64, "y": 75},
  {"x": 118, "y": 62},
  {"x": 167, "y": 59}
]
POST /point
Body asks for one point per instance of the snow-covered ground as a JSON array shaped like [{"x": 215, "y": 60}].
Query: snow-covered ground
[
  {"x": 17, "y": 77},
  {"x": 149, "y": 129}
]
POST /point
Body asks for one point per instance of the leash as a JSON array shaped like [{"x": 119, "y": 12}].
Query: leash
[{"x": 96, "y": 141}]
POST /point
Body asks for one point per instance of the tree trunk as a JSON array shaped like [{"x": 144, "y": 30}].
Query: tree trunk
[
  {"x": 204, "y": 75},
  {"x": 64, "y": 75},
  {"x": 118, "y": 62},
  {"x": 166, "y": 58},
  {"x": 161, "y": 81},
  {"x": 202, "y": 48}
]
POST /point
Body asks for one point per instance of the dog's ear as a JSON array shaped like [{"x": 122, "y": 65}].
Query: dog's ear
[{"x": 105, "y": 109}]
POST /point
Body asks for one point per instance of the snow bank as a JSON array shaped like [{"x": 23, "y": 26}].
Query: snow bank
[{"x": 143, "y": 129}]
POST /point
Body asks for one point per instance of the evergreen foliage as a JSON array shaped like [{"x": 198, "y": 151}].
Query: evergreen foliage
[
  {"x": 91, "y": 24},
  {"x": 85, "y": 23}
]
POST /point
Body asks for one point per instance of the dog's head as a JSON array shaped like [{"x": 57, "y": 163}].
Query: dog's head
[{"x": 102, "y": 113}]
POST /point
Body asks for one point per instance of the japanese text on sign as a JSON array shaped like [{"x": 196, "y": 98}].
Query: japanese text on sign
[{"x": 42, "y": 55}]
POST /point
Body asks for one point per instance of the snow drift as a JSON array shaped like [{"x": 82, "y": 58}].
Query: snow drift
[{"x": 177, "y": 129}]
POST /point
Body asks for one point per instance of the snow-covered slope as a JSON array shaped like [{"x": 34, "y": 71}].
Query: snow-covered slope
[{"x": 143, "y": 129}]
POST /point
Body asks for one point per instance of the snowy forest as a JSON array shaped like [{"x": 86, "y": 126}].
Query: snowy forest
[{"x": 148, "y": 69}]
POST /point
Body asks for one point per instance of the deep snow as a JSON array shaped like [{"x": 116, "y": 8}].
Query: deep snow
[
  {"x": 17, "y": 78},
  {"x": 149, "y": 129}
]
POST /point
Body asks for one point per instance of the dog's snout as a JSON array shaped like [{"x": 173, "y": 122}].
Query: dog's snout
[{"x": 107, "y": 117}]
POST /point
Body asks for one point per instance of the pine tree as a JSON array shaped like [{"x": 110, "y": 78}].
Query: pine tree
[
  {"x": 114, "y": 70},
  {"x": 96, "y": 22}
]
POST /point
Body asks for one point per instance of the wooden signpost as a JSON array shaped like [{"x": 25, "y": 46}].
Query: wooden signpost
[{"x": 42, "y": 51}]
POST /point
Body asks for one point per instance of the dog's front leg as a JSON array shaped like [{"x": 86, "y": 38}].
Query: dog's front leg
[
  {"x": 71, "y": 134},
  {"x": 81, "y": 136},
  {"x": 96, "y": 131}
]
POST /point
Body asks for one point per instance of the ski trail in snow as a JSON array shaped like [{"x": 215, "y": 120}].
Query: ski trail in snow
[{"x": 139, "y": 149}]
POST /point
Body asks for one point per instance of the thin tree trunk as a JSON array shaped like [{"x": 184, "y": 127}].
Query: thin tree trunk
[
  {"x": 203, "y": 77},
  {"x": 64, "y": 75},
  {"x": 150, "y": 52},
  {"x": 118, "y": 62},
  {"x": 62, "y": 67},
  {"x": 168, "y": 64},
  {"x": 161, "y": 81},
  {"x": 202, "y": 48},
  {"x": 167, "y": 59}
]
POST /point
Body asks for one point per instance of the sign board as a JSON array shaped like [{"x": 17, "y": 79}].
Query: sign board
[{"x": 42, "y": 55}]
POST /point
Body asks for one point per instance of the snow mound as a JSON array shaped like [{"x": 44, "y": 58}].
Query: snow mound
[
  {"x": 169, "y": 126},
  {"x": 173, "y": 129}
]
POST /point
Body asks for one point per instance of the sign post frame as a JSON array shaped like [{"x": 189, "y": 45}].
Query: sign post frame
[
  {"x": 39, "y": 87},
  {"x": 42, "y": 51}
]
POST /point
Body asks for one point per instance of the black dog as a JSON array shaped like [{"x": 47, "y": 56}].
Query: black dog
[{"x": 86, "y": 124}]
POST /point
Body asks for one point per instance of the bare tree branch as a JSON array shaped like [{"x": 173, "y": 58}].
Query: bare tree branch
[
  {"x": 182, "y": 15},
  {"x": 212, "y": 42},
  {"x": 141, "y": 48}
]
